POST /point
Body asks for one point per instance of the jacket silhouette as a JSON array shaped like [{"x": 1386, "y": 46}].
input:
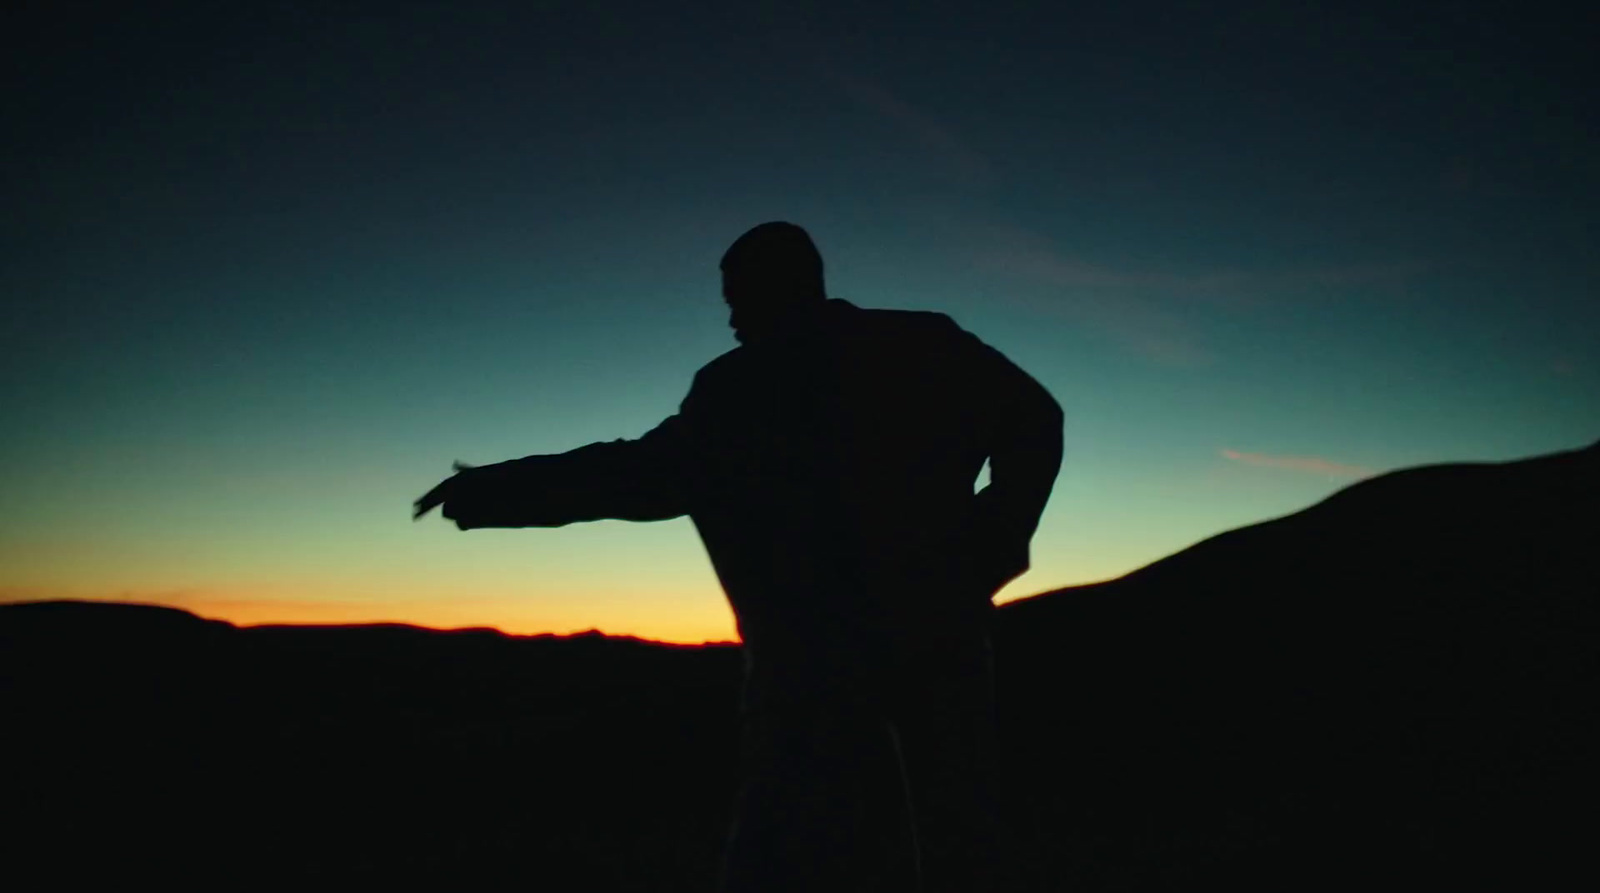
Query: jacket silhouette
[
  {"x": 828, "y": 464},
  {"x": 829, "y": 472}
]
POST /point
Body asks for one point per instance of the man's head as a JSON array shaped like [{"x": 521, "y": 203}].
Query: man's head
[{"x": 769, "y": 274}]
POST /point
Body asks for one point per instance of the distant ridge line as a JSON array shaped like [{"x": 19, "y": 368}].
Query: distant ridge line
[{"x": 104, "y": 608}]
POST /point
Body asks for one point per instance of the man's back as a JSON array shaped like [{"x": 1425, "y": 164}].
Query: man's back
[
  {"x": 829, "y": 466},
  {"x": 830, "y": 473}
]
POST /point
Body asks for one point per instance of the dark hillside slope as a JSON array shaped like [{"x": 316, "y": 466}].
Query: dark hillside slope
[
  {"x": 1395, "y": 686},
  {"x": 1401, "y": 677},
  {"x": 145, "y": 742}
]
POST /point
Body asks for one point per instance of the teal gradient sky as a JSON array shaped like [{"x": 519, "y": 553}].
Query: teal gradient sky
[{"x": 269, "y": 272}]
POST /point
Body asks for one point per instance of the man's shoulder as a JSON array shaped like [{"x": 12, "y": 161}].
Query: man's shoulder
[
  {"x": 929, "y": 321},
  {"x": 728, "y": 362},
  {"x": 723, "y": 370},
  {"x": 731, "y": 369}
]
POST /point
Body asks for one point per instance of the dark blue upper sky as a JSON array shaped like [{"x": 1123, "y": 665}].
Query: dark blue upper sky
[{"x": 270, "y": 267}]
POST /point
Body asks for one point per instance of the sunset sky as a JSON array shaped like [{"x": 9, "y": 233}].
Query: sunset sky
[{"x": 269, "y": 268}]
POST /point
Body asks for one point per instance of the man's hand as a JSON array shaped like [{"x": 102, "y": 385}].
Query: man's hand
[{"x": 450, "y": 488}]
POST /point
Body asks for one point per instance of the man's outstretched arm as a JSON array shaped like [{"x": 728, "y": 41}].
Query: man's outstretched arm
[{"x": 631, "y": 480}]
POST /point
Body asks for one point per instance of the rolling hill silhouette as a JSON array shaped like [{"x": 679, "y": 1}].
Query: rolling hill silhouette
[
  {"x": 1395, "y": 685},
  {"x": 1397, "y": 681}
]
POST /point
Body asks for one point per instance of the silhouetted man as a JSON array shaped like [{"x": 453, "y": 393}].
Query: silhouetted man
[{"x": 829, "y": 464}]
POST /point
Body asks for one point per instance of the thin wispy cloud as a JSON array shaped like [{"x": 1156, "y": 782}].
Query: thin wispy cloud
[
  {"x": 1141, "y": 308},
  {"x": 1149, "y": 312},
  {"x": 791, "y": 34},
  {"x": 1111, "y": 302},
  {"x": 1307, "y": 464},
  {"x": 1030, "y": 256},
  {"x": 936, "y": 140}
]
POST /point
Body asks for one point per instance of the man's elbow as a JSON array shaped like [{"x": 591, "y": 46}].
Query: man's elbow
[
  {"x": 1048, "y": 415},
  {"x": 1053, "y": 416}
]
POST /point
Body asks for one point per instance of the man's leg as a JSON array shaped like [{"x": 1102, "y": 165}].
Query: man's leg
[
  {"x": 822, "y": 805},
  {"x": 945, "y": 718}
]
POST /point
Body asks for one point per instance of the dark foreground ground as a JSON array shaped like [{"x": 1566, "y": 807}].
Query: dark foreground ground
[{"x": 1394, "y": 687}]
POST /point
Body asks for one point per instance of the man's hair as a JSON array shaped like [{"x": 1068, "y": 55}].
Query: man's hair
[{"x": 779, "y": 256}]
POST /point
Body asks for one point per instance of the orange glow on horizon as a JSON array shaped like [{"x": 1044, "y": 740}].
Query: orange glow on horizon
[
  {"x": 683, "y": 618},
  {"x": 513, "y": 619},
  {"x": 676, "y": 630}
]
